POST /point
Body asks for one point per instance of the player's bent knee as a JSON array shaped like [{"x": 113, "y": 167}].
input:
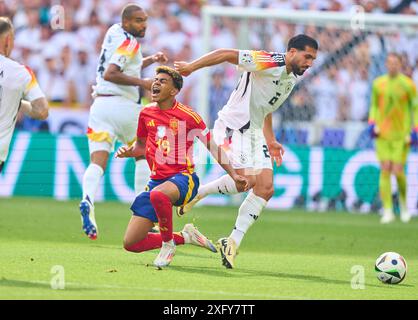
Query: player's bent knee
[
  {"x": 386, "y": 167},
  {"x": 269, "y": 193},
  {"x": 266, "y": 192},
  {"x": 100, "y": 158},
  {"x": 127, "y": 246},
  {"x": 130, "y": 245},
  {"x": 155, "y": 195}
]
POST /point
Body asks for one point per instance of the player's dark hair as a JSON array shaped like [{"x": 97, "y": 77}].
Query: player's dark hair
[
  {"x": 177, "y": 78},
  {"x": 128, "y": 11},
  {"x": 5, "y": 25},
  {"x": 301, "y": 41}
]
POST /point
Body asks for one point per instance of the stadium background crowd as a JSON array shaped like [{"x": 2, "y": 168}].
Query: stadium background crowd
[{"x": 65, "y": 60}]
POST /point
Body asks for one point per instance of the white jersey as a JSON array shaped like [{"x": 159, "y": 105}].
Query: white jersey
[
  {"x": 122, "y": 49},
  {"x": 262, "y": 89},
  {"x": 17, "y": 82}
]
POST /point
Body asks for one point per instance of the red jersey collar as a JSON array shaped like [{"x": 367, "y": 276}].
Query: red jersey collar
[{"x": 174, "y": 106}]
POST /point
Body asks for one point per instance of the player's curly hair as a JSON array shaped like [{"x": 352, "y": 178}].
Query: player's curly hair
[{"x": 177, "y": 78}]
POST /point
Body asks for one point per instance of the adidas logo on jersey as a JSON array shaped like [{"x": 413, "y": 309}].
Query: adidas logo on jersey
[{"x": 151, "y": 123}]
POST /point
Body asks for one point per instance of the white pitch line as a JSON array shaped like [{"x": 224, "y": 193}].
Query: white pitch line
[{"x": 162, "y": 290}]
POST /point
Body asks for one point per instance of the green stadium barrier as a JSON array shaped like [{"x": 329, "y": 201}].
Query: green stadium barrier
[{"x": 53, "y": 165}]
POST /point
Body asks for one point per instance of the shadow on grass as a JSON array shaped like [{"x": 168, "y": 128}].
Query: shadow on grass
[
  {"x": 248, "y": 273},
  {"x": 203, "y": 254},
  {"x": 37, "y": 285}
]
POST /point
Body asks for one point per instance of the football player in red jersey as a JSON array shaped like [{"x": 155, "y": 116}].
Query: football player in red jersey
[{"x": 166, "y": 131}]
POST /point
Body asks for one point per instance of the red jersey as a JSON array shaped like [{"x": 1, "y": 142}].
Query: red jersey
[{"x": 169, "y": 138}]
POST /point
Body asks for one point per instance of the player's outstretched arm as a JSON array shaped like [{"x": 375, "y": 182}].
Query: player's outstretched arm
[
  {"x": 134, "y": 151},
  {"x": 114, "y": 74},
  {"x": 158, "y": 57},
  {"x": 221, "y": 157},
  {"x": 275, "y": 148},
  {"x": 37, "y": 109},
  {"x": 210, "y": 59}
]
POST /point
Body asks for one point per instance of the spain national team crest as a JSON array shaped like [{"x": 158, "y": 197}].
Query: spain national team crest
[
  {"x": 161, "y": 131},
  {"x": 174, "y": 125}
]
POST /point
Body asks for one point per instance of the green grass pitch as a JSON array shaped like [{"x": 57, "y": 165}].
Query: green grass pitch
[{"x": 286, "y": 255}]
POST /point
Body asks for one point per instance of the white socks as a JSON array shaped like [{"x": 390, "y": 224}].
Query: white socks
[
  {"x": 91, "y": 181},
  {"x": 248, "y": 213},
  {"x": 94, "y": 173},
  {"x": 223, "y": 185},
  {"x": 142, "y": 174}
]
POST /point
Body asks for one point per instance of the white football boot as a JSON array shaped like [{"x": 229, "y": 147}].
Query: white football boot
[
  {"x": 167, "y": 252},
  {"x": 387, "y": 216},
  {"x": 405, "y": 216},
  {"x": 195, "y": 237}
]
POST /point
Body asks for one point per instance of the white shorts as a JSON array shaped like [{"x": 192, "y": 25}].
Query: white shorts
[
  {"x": 244, "y": 148},
  {"x": 112, "y": 118}
]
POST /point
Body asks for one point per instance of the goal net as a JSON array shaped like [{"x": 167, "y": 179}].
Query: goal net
[{"x": 333, "y": 164}]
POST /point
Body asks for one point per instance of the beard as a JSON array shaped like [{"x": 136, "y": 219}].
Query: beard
[
  {"x": 138, "y": 34},
  {"x": 298, "y": 70}
]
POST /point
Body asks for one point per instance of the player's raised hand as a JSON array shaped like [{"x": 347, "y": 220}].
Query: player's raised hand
[
  {"x": 276, "y": 152},
  {"x": 124, "y": 152},
  {"x": 159, "y": 57},
  {"x": 241, "y": 182},
  {"x": 183, "y": 68}
]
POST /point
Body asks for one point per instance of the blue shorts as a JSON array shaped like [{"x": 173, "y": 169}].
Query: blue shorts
[{"x": 188, "y": 184}]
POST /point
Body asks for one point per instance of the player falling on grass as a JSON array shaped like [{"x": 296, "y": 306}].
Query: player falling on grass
[
  {"x": 166, "y": 131},
  {"x": 17, "y": 82},
  {"x": 393, "y": 121},
  {"x": 114, "y": 113},
  {"x": 245, "y": 122}
]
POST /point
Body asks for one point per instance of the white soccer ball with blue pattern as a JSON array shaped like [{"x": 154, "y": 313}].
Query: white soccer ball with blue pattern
[{"x": 391, "y": 268}]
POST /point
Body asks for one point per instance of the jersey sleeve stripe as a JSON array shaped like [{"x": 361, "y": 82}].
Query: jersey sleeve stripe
[
  {"x": 191, "y": 113},
  {"x": 129, "y": 47},
  {"x": 32, "y": 81},
  {"x": 264, "y": 60}
]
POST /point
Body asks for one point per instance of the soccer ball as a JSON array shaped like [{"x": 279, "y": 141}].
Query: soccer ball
[{"x": 391, "y": 268}]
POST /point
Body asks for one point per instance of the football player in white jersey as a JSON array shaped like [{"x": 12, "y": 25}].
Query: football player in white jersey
[
  {"x": 115, "y": 111},
  {"x": 245, "y": 123},
  {"x": 17, "y": 82}
]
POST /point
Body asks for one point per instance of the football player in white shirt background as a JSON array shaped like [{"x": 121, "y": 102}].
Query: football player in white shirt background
[
  {"x": 246, "y": 121},
  {"x": 17, "y": 82},
  {"x": 115, "y": 111}
]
